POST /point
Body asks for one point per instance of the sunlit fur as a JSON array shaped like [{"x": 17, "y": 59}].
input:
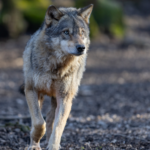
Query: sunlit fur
[{"x": 53, "y": 66}]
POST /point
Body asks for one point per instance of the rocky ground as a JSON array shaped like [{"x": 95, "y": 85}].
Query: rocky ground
[{"x": 112, "y": 109}]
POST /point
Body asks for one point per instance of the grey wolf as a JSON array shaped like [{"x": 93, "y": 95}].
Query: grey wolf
[{"x": 54, "y": 62}]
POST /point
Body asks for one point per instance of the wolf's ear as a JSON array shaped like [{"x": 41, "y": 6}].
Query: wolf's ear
[
  {"x": 85, "y": 12},
  {"x": 52, "y": 15}
]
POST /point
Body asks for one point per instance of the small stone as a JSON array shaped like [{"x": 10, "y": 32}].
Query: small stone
[
  {"x": 114, "y": 141},
  {"x": 17, "y": 130}
]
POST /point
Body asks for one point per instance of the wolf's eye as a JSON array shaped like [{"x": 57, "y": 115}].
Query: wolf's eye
[{"x": 66, "y": 32}]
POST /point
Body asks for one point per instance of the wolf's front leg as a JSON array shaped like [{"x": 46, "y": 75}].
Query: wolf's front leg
[
  {"x": 64, "y": 98},
  {"x": 38, "y": 124},
  {"x": 62, "y": 113}
]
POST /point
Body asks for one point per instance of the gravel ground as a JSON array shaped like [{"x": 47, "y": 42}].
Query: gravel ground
[{"x": 112, "y": 109}]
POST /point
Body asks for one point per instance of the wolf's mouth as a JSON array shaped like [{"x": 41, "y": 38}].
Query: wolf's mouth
[{"x": 78, "y": 54}]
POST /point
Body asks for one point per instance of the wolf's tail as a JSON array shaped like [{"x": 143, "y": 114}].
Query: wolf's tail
[{"x": 21, "y": 89}]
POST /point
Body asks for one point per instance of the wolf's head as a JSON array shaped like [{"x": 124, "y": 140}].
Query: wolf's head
[{"x": 67, "y": 30}]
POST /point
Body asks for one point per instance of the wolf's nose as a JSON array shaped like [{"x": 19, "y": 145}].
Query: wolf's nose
[{"x": 80, "y": 48}]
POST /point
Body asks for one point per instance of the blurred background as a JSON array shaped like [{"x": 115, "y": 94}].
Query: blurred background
[
  {"x": 113, "y": 105},
  {"x": 20, "y": 17}
]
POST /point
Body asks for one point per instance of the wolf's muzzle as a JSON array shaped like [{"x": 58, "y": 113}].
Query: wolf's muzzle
[{"x": 80, "y": 48}]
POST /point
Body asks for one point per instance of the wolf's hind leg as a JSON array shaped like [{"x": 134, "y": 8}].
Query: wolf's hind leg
[
  {"x": 38, "y": 124},
  {"x": 50, "y": 118}
]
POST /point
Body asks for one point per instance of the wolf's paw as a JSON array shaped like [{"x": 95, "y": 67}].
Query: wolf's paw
[{"x": 34, "y": 148}]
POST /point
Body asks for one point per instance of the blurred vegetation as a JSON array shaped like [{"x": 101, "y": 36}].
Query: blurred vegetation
[
  {"x": 107, "y": 17},
  {"x": 18, "y": 16},
  {"x": 11, "y": 21},
  {"x": 22, "y": 16},
  {"x": 33, "y": 10}
]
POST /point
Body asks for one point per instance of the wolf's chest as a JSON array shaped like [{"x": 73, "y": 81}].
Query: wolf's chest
[{"x": 42, "y": 81}]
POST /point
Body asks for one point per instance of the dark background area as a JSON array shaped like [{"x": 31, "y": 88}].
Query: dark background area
[{"x": 112, "y": 109}]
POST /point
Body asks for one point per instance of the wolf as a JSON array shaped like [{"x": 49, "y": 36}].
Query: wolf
[{"x": 53, "y": 64}]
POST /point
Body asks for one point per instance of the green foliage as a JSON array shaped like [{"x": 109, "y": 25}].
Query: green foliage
[
  {"x": 108, "y": 16},
  {"x": 33, "y": 10},
  {"x": 17, "y": 15},
  {"x": 94, "y": 29},
  {"x": 11, "y": 18}
]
